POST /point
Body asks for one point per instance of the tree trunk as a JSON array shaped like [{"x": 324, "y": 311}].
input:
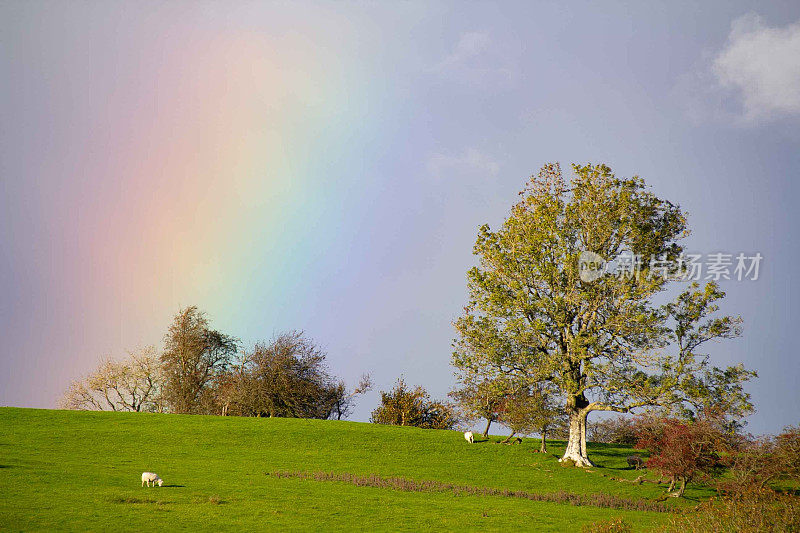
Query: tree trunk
[
  {"x": 486, "y": 431},
  {"x": 576, "y": 445},
  {"x": 543, "y": 445},
  {"x": 681, "y": 489},
  {"x": 508, "y": 439}
]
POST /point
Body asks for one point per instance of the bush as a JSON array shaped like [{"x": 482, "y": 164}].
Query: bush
[
  {"x": 404, "y": 406},
  {"x": 287, "y": 377},
  {"x": 750, "y": 511},
  {"x": 683, "y": 451},
  {"x": 618, "y": 430},
  {"x": 758, "y": 462}
]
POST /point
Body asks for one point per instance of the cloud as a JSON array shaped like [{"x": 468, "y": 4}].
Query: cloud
[
  {"x": 761, "y": 65},
  {"x": 477, "y": 59},
  {"x": 470, "y": 161},
  {"x": 469, "y": 45}
]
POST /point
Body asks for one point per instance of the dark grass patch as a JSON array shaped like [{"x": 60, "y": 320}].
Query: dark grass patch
[
  {"x": 133, "y": 500},
  {"x": 601, "y": 500}
]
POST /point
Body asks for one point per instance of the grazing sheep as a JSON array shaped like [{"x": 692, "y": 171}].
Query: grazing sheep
[
  {"x": 148, "y": 477},
  {"x": 635, "y": 461},
  {"x": 468, "y": 435}
]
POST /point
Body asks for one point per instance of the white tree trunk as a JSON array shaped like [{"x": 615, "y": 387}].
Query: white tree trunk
[{"x": 576, "y": 445}]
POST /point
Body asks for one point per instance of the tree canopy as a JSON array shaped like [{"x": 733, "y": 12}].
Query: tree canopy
[{"x": 602, "y": 341}]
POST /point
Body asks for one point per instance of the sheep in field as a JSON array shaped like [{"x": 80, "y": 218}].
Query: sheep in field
[
  {"x": 151, "y": 477},
  {"x": 469, "y": 437},
  {"x": 635, "y": 461}
]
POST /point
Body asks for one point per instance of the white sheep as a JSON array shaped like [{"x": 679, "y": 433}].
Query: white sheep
[
  {"x": 470, "y": 438},
  {"x": 148, "y": 477}
]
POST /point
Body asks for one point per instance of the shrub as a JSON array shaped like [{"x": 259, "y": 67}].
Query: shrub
[
  {"x": 287, "y": 377},
  {"x": 749, "y": 511},
  {"x": 618, "y": 430},
  {"x": 404, "y": 406},
  {"x": 757, "y": 462},
  {"x": 681, "y": 450}
]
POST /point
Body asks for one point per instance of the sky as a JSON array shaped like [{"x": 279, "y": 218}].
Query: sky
[{"x": 325, "y": 166}]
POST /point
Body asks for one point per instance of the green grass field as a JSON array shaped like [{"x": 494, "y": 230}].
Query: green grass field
[{"x": 69, "y": 470}]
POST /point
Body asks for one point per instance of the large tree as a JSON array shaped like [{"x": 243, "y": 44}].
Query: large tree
[
  {"x": 600, "y": 339},
  {"x": 194, "y": 356}
]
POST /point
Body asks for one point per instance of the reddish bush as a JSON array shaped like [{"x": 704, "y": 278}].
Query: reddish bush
[{"x": 681, "y": 450}]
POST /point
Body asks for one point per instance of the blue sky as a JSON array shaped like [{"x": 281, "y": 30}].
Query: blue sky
[{"x": 417, "y": 123}]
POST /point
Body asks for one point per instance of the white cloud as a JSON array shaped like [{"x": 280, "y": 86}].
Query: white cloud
[
  {"x": 762, "y": 65},
  {"x": 477, "y": 59},
  {"x": 469, "y": 45},
  {"x": 470, "y": 161}
]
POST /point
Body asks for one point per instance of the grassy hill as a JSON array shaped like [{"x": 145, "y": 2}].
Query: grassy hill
[{"x": 81, "y": 471}]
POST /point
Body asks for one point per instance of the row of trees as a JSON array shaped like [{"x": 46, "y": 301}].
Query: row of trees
[
  {"x": 525, "y": 411},
  {"x": 204, "y": 371},
  {"x": 680, "y": 450}
]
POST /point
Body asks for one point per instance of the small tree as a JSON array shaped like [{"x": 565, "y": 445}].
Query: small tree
[
  {"x": 759, "y": 461},
  {"x": 789, "y": 452},
  {"x": 405, "y": 406},
  {"x": 533, "y": 410},
  {"x": 481, "y": 399},
  {"x": 133, "y": 384},
  {"x": 344, "y": 402}
]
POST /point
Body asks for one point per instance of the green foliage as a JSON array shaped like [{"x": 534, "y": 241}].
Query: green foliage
[
  {"x": 481, "y": 398},
  {"x": 532, "y": 410},
  {"x": 404, "y": 406},
  {"x": 602, "y": 343}
]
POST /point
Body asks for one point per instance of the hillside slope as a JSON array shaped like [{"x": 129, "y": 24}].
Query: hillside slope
[{"x": 81, "y": 470}]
